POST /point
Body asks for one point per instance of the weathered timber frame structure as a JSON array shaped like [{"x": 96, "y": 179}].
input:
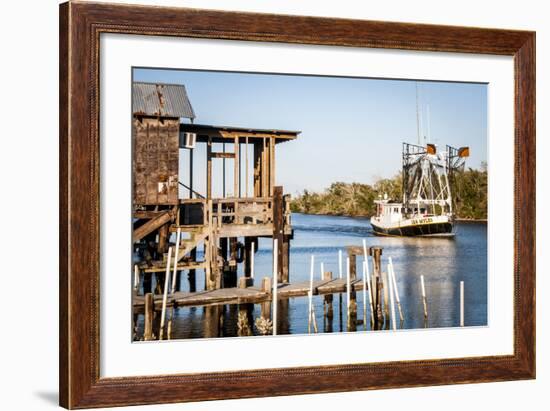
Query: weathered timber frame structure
[{"x": 163, "y": 204}]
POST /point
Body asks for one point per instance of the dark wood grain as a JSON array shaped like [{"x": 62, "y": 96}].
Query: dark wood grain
[{"x": 80, "y": 27}]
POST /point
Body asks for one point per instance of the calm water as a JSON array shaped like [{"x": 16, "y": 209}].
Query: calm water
[{"x": 443, "y": 262}]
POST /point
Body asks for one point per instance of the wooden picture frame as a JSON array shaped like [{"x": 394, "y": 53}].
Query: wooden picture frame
[{"x": 80, "y": 27}]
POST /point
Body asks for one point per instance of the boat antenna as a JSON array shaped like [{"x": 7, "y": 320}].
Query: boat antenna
[
  {"x": 417, "y": 115},
  {"x": 429, "y": 126}
]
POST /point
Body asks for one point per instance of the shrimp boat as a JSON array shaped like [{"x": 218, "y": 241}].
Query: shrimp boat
[{"x": 426, "y": 209}]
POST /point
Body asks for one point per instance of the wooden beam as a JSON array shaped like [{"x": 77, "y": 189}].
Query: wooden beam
[
  {"x": 271, "y": 166},
  {"x": 209, "y": 169},
  {"x": 223, "y": 155},
  {"x": 152, "y": 225},
  {"x": 236, "y": 176}
]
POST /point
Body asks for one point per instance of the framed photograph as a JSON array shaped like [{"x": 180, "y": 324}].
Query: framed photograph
[{"x": 259, "y": 205}]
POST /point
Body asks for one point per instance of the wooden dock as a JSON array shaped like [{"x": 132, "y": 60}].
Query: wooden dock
[{"x": 249, "y": 295}]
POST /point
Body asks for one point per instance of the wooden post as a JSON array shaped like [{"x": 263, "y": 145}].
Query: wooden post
[
  {"x": 163, "y": 239},
  {"x": 252, "y": 252},
  {"x": 175, "y": 274},
  {"x": 423, "y": 289},
  {"x": 136, "y": 277},
  {"x": 278, "y": 226},
  {"x": 368, "y": 281},
  {"x": 386, "y": 288},
  {"x": 271, "y": 166},
  {"x": 244, "y": 326},
  {"x": 365, "y": 295},
  {"x": 376, "y": 253},
  {"x": 193, "y": 273},
  {"x": 236, "y": 169},
  {"x": 149, "y": 314},
  {"x": 211, "y": 323},
  {"x": 327, "y": 276},
  {"x": 165, "y": 294},
  {"x": 286, "y": 258},
  {"x": 191, "y": 151},
  {"x": 209, "y": 168},
  {"x": 352, "y": 264},
  {"x": 462, "y": 303},
  {"x": 223, "y": 173},
  {"x": 247, "y": 256},
  {"x": 340, "y": 263},
  {"x": 392, "y": 306},
  {"x": 311, "y": 269},
  {"x": 395, "y": 290},
  {"x": 246, "y": 165},
  {"x": 257, "y": 169},
  {"x": 348, "y": 288},
  {"x": 312, "y": 318},
  {"x": 275, "y": 286},
  {"x": 266, "y": 306}
]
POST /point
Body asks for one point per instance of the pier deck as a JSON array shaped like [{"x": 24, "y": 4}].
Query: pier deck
[{"x": 249, "y": 295}]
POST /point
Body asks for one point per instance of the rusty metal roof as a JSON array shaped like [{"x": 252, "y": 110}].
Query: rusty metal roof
[{"x": 157, "y": 99}]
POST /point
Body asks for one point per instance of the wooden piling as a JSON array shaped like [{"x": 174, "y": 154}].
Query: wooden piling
[
  {"x": 365, "y": 295},
  {"x": 386, "y": 288},
  {"x": 165, "y": 293},
  {"x": 163, "y": 239},
  {"x": 278, "y": 229},
  {"x": 368, "y": 283},
  {"x": 462, "y": 303},
  {"x": 395, "y": 290},
  {"x": 275, "y": 285},
  {"x": 149, "y": 315},
  {"x": 391, "y": 292},
  {"x": 266, "y": 305},
  {"x": 340, "y": 264},
  {"x": 312, "y": 318},
  {"x": 311, "y": 269},
  {"x": 327, "y": 276},
  {"x": 136, "y": 277},
  {"x": 348, "y": 286},
  {"x": 376, "y": 253},
  {"x": 175, "y": 273},
  {"x": 244, "y": 323},
  {"x": 192, "y": 275},
  {"x": 424, "y": 302},
  {"x": 252, "y": 252}
]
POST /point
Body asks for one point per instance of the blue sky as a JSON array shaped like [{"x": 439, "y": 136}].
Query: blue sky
[{"x": 351, "y": 129}]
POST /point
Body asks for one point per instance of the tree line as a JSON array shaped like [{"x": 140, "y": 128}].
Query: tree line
[{"x": 357, "y": 199}]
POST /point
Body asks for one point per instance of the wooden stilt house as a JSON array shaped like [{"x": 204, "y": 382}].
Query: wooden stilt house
[{"x": 220, "y": 224}]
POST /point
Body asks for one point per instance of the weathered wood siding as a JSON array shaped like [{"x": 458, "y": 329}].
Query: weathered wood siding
[{"x": 155, "y": 160}]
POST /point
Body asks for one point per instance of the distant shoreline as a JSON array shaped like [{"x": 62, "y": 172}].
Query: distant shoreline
[{"x": 459, "y": 219}]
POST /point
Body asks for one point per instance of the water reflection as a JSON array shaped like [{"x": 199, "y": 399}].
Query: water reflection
[{"x": 443, "y": 262}]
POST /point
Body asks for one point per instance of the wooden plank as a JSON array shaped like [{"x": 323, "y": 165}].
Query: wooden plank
[
  {"x": 152, "y": 225},
  {"x": 222, "y": 155}
]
